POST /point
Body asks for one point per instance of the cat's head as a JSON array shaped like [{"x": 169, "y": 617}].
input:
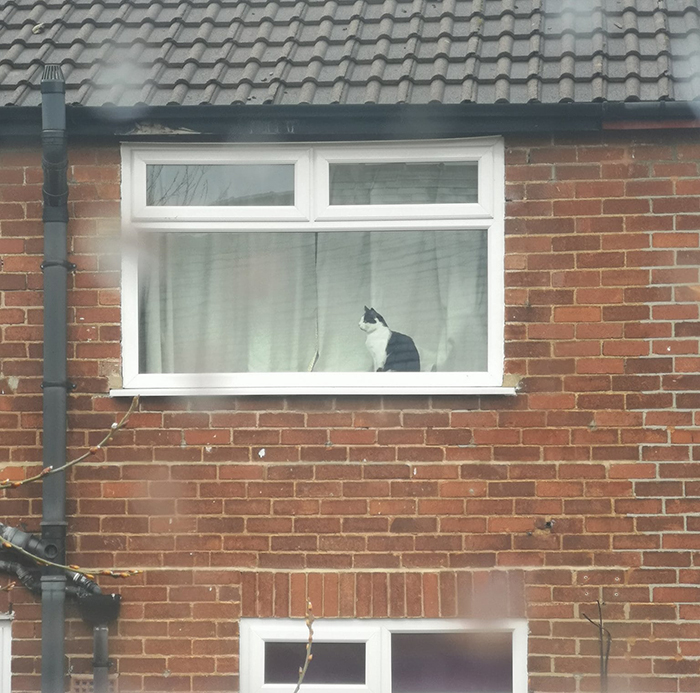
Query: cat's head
[{"x": 371, "y": 320}]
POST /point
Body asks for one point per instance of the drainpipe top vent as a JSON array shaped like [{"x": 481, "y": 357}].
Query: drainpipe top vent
[
  {"x": 54, "y": 145},
  {"x": 52, "y": 80}
]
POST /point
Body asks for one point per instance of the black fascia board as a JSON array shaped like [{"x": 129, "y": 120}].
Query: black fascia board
[
  {"x": 651, "y": 111},
  {"x": 370, "y": 121},
  {"x": 337, "y": 122}
]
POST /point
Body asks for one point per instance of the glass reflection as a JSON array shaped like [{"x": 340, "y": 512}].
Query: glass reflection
[{"x": 239, "y": 185}]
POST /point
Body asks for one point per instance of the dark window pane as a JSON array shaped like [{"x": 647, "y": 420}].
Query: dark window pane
[
  {"x": 451, "y": 662},
  {"x": 332, "y": 662},
  {"x": 241, "y": 185},
  {"x": 403, "y": 183}
]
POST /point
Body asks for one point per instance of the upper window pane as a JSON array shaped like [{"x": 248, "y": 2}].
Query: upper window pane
[
  {"x": 404, "y": 183},
  {"x": 452, "y": 662},
  {"x": 237, "y": 185},
  {"x": 332, "y": 662}
]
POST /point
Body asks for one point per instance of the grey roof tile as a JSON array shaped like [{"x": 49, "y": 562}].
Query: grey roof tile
[{"x": 351, "y": 51}]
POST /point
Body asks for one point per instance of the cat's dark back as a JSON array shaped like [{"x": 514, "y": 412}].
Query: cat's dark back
[{"x": 401, "y": 351}]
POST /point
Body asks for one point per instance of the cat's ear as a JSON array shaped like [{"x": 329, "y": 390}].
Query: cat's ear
[{"x": 366, "y": 309}]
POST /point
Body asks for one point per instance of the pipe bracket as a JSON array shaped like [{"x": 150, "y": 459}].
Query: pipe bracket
[
  {"x": 67, "y": 384},
  {"x": 70, "y": 266}
]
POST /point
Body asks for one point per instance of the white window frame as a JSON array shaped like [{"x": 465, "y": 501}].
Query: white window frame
[
  {"x": 139, "y": 159},
  {"x": 312, "y": 212},
  {"x": 5, "y": 652},
  {"x": 376, "y": 633},
  {"x": 481, "y": 154}
]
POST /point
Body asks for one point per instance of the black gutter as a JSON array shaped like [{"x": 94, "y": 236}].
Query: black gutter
[
  {"x": 336, "y": 122},
  {"x": 333, "y": 122},
  {"x": 55, "y": 385},
  {"x": 651, "y": 110}
]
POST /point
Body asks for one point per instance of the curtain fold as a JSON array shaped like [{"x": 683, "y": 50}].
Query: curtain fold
[{"x": 228, "y": 302}]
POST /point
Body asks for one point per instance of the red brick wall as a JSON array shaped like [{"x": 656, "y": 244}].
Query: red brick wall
[{"x": 398, "y": 506}]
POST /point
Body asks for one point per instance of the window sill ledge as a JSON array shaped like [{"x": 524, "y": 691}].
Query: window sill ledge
[{"x": 313, "y": 390}]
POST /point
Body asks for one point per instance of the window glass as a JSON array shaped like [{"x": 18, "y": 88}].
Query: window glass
[
  {"x": 238, "y": 185},
  {"x": 332, "y": 662},
  {"x": 403, "y": 183},
  {"x": 451, "y": 662},
  {"x": 292, "y": 301}
]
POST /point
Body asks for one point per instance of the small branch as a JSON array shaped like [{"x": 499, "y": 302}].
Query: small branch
[
  {"x": 605, "y": 630},
  {"x": 590, "y": 620},
  {"x": 8, "y": 587},
  {"x": 605, "y": 641},
  {"x": 309, "y": 656},
  {"x": 90, "y": 574},
  {"x": 46, "y": 471}
]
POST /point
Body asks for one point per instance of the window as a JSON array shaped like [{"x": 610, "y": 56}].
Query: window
[
  {"x": 385, "y": 656},
  {"x": 247, "y": 268},
  {"x": 5, "y": 651}
]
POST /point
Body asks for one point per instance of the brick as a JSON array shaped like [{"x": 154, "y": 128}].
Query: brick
[{"x": 577, "y": 314}]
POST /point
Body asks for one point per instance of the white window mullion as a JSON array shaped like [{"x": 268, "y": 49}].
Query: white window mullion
[
  {"x": 496, "y": 301},
  {"x": 385, "y": 667},
  {"x": 520, "y": 633}
]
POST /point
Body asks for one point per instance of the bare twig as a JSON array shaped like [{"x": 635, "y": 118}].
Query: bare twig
[
  {"x": 605, "y": 642},
  {"x": 309, "y": 656},
  {"x": 46, "y": 471},
  {"x": 88, "y": 573},
  {"x": 8, "y": 587}
]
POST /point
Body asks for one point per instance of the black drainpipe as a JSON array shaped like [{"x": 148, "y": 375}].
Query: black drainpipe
[{"x": 55, "y": 385}]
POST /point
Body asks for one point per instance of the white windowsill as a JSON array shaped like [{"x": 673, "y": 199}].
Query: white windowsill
[{"x": 313, "y": 390}]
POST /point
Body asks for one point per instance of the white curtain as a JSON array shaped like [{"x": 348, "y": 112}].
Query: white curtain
[
  {"x": 228, "y": 302},
  {"x": 261, "y": 302}
]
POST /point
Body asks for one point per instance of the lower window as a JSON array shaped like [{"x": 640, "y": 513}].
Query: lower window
[
  {"x": 385, "y": 656},
  {"x": 5, "y": 651}
]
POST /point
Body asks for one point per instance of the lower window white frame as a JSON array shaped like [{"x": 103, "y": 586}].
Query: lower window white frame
[
  {"x": 376, "y": 633},
  {"x": 5, "y": 652}
]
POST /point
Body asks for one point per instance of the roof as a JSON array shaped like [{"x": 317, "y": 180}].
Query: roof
[{"x": 221, "y": 52}]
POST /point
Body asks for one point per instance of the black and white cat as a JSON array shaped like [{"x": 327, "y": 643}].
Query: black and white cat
[{"x": 390, "y": 351}]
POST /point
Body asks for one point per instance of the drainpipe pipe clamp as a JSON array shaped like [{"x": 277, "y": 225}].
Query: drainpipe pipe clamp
[
  {"x": 70, "y": 266},
  {"x": 67, "y": 384}
]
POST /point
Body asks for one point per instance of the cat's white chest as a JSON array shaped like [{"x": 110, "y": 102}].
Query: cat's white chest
[{"x": 376, "y": 343}]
